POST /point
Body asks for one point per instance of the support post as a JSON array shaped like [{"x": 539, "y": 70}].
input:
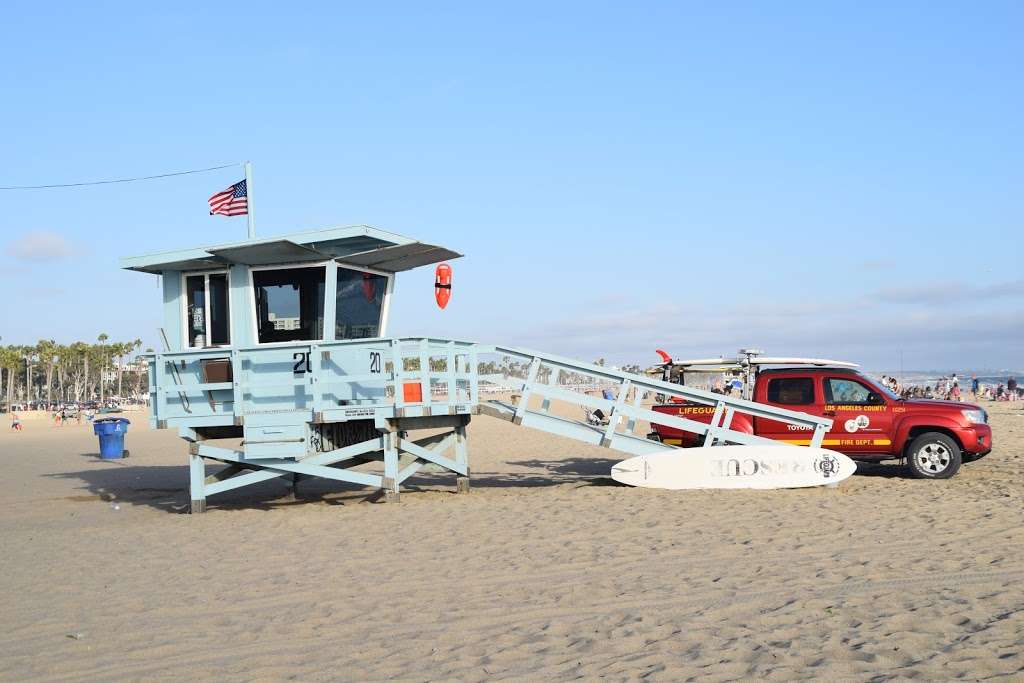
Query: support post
[
  {"x": 524, "y": 400},
  {"x": 331, "y": 292},
  {"x": 450, "y": 381},
  {"x": 614, "y": 413},
  {"x": 197, "y": 480},
  {"x": 474, "y": 377},
  {"x": 462, "y": 456},
  {"x": 390, "y": 480},
  {"x": 713, "y": 432},
  {"x": 398, "y": 372},
  {"x": 818, "y": 436},
  {"x": 638, "y": 398},
  {"x": 425, "y": 373},
  {"x": 293, "y": 485}
]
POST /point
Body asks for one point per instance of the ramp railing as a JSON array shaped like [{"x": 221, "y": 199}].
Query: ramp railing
[{"x": 623, "y": 406}]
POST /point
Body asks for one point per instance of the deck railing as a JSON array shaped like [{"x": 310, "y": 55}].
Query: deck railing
[{"x": 333, "y": 381}]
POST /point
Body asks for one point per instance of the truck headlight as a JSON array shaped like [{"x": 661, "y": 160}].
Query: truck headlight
[{"x": 976, "y": 416}]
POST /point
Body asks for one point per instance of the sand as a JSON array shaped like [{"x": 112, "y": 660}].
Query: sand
[{"x": 544, "y": 571}]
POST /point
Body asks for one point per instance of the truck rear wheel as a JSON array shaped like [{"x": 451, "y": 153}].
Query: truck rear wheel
[{"x": 933, "y": 455}]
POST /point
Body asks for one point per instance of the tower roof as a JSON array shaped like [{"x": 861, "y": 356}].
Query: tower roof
[{"x": 358, "y": 245}]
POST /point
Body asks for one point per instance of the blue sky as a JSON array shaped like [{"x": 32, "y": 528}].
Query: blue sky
[{"x": 820, "y": 178}]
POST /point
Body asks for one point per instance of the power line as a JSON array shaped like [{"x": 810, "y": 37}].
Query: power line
[{"x": 119, "y": 180}]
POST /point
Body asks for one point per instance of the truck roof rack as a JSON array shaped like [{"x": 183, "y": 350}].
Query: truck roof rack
[
  {"x": 809, "y": 368},
  {"x": 753, "y": 357},
  {"x": 735, "y": 363}
]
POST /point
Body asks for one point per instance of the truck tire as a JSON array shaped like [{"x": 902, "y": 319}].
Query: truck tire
[{"x": 933, "y": 455}]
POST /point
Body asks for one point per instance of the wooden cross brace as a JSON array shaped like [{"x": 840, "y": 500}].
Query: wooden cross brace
[{"x": 402, "y": 458}]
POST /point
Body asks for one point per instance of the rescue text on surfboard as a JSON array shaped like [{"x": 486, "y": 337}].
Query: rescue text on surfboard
[{"x": 827, "y": 466}]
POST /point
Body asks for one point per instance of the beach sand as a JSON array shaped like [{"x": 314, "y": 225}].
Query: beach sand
[{"x": 546, "y": 570}]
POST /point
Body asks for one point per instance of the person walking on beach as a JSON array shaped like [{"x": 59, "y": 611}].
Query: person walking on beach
[
  {"x": 15, "y": 422},
  {"x": 974, "y": 387}
]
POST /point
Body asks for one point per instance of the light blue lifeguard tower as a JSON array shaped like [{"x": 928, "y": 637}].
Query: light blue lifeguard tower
[{"x": 281, "y": 343}]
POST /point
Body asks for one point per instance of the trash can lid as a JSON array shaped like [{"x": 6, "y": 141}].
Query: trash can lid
[{"x": 111, "y": 420}]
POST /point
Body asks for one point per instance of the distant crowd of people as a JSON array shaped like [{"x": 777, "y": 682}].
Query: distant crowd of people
[
  {"x": 63, "y": 413},
  {"x": 59, "y": 417},
  {"x": 892, "y": 384},
  {"x": 1010, "y": 392},
  {"x": 945, "y": 388},
  {"x": 948, "y": 389}
]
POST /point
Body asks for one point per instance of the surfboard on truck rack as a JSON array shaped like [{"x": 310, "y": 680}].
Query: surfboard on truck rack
[
  {"x": 280, "y": 344},
  {"x": 743, "y": 367}
]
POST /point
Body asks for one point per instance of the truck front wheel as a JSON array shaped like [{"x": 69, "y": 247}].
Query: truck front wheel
[{"x": 933, "y": 455}]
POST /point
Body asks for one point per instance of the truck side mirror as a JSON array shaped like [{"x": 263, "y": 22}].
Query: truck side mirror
[{"x": 874, "y": 399}]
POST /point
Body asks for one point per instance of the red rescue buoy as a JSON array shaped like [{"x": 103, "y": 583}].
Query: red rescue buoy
[
  {"x": 369, "y": 290},
  {"x": 443, "y": 284}
]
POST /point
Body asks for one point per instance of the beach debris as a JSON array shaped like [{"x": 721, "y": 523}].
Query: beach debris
[
  {"x": 75, "y": 635},
  {"x": 115, "y": 506}
]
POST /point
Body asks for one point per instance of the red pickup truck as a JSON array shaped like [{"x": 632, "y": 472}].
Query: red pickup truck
[{"x": 869, "y": 422}]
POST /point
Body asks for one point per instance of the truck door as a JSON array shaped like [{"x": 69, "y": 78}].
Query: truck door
[
  {"x": 862, "y": 417},
  {"x": 796, "y": 392}
]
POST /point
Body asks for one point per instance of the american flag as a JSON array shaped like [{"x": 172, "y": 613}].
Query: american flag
[{"x": 230, "y": 202}]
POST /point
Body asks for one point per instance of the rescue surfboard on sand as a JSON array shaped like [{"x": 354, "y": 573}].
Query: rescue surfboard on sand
[{"x": 735, "y": 467}]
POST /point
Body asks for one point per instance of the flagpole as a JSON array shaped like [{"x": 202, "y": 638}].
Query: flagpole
[{"x": 251, "y": 210}]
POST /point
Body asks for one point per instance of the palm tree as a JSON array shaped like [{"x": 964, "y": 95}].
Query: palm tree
[
  {"x": 29, "y": 355},
  {"x": 47, "y": 349},
  {"x": 102, "y": 339},
  {"x": 121, "y": 350},
  {"x": 134, "y": 347},
  {"x": 78, "y": 366},
  {"x": 64, "y": 359},
  {"x": 10, "y": 359}
]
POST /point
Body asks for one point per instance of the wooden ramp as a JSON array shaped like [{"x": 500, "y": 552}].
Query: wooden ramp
[
  {"x": 619, "y": 403},
  {"x": 573, "y": 429}
]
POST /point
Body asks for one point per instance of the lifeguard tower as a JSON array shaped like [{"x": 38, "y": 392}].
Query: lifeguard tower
[{"x": 281, "y": 343}]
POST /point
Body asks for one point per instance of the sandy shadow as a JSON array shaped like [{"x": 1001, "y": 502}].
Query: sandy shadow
[
  {"x": 579, "y": 471},
  {"x": 162, "y": 487},
  {"x": 885, "y": 470},
  {"x": 572, "y": 467},
  {"x": 166, "y": 488}
]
